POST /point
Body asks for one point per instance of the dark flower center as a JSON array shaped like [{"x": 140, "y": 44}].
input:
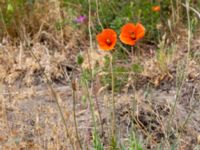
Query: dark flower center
[
  {"x": 132, "y": 35},
  {"x": 108, "y": 42}
]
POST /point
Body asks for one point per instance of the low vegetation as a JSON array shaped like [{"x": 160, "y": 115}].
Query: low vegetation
[{"x": 100, "y": 74}]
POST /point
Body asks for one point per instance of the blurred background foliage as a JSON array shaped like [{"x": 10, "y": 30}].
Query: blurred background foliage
[{"x": 28, "y": 15}]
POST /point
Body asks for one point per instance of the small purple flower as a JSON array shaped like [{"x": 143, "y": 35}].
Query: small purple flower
[{"x": 80, "y": 19}]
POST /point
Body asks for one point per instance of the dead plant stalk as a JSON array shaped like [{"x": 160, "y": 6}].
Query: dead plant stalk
[
  {"x": 73, "y": 84},
  {"x": 55, "y": 95},
  {"x": 89, "y": 61}
]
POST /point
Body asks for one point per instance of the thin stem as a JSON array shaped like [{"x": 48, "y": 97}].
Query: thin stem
[
  {"x": 191, "y": 111},
  {"x": 192, "y": 9},
  {"x": 97, "y": 10},
  {"x": 173, "y": 12},
  {"x": 125, "y": 50},
  {"x": 74, "y": 112},
  {"x": 132, "y": 53},
  {"x": 187, "y": 4},
  {"x": 113, "y": 100},
  {"x": 91, "y": 104},
  {"x": 178, "y": 91},
  {"x": 89, "y": 60},
  {"x": 186, "y": 67},
  {"x": 189, "y": 29},
  {"x": 3, "y": 21},
  {"x": 54, "y": 94},
  {"x": 90, "y": 37},
  {"x": 98, "y": 109},
  {"x": 90, "y": 100}
]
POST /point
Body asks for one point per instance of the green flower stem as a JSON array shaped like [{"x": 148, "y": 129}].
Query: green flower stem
[{"x": 113, "y": 100}]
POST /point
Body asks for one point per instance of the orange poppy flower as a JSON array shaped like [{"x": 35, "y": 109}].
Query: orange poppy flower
[
  {"x": 156, "y": 8},
  {"x": 107, "y": 39},
  {"x": 131, "y": 33}
]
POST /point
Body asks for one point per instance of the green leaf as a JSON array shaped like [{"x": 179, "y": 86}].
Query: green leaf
[
  {"x": 10, "y": 8},
  {"x": 137, "y": 68},
  {"x": 80, "y": 59},
  {"x": 97, "y": 142}
]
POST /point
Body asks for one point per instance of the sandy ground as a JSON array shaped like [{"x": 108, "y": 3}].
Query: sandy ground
[{"x": 30, "y": 118}]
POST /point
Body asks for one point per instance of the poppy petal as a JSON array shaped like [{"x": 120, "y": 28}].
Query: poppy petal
[
  {"x": 126, "y": 32},
  {"x": 128, "y": 28},
  {"x": 126, "y": 39},
  {"x": 104, "y": 36},
  {"x": 140, "y": 31},
  {"x": 100, "y": 38}
]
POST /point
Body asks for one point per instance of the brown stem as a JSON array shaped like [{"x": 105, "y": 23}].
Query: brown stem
[
  {"x": 74, "y": 111},
  {"x": 54, "y": 94}
]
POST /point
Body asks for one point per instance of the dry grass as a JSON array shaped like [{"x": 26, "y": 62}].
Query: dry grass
[{"x": 145, "y": 105}]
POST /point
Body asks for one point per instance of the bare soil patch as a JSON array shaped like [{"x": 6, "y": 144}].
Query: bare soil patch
[{"x": 30, "y": 118}]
